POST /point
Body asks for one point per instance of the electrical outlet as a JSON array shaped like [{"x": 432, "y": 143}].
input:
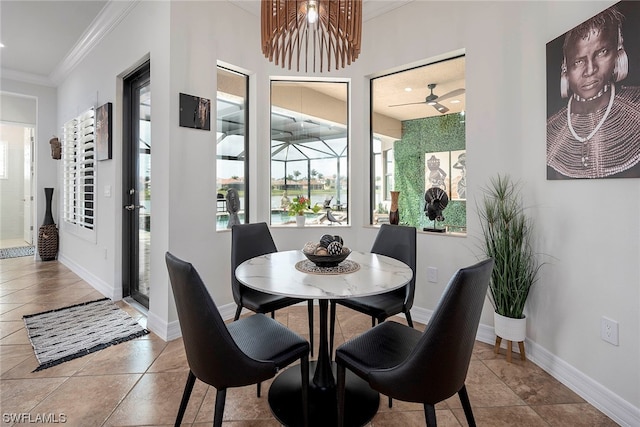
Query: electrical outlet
[
  {"x": 609, "y": 330},
  {"x": 432, "y": 274}
]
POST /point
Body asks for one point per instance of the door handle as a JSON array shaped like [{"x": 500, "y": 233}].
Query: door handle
[{"x": 133, "y": 207}]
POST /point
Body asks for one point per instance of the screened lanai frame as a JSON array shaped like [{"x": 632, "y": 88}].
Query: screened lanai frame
[
  {"x": 232, "y": 136},
  {"x": 310, "y": 136}
]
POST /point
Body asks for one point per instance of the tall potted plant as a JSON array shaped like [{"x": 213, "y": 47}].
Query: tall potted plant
[{"x": 507, "y": 233}]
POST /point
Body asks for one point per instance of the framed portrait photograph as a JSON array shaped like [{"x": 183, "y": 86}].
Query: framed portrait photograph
[
  {"x": 103, "y": 132},
  {"x": 195, "y": 112},
  {"x": 593, "y": 97}
]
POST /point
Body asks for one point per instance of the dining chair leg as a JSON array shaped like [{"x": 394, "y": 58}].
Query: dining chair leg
[
  {"x": 258, "y": 389},
  {"x": 221, "y": 396},
  {"x": 191, "y": 380},
  {"x": 390, "y": 402},
  {"x": 238, "y": 311},
  {"x": 340, "y": 390},
  {"x": 466, "y": 405},
  {"x": 304, "y": 368},
  {"x": 332, "y": 326},
  {"x": 407, "y": 314},
  {"x": 310, "y": 314},
  {"x": 430, "y": 415}
]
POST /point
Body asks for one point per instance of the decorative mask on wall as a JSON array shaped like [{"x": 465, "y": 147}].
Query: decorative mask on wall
[{"x": 56, "y": 148}]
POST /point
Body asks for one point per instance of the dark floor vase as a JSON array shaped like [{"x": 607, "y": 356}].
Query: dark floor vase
[{"x": 48, "y": 233}]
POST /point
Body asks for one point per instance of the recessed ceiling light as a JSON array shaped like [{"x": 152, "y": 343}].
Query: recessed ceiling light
[
  {"x": 1, "y": 44},
  {"x": 407, "y": 89}
]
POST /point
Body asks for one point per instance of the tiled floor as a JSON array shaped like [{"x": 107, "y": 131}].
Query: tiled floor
[{"x": 140, "y": 382}]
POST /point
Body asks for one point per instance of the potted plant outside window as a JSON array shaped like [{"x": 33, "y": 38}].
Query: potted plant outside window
[
  {"x": 507, "y": 238},
  {"x": 298, "y": 206}
]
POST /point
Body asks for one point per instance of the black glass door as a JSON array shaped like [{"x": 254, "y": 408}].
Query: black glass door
[{"x": 137, "y": 185}]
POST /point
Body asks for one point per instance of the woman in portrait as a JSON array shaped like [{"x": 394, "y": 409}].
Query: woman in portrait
[{"x": 597, "y": 133}]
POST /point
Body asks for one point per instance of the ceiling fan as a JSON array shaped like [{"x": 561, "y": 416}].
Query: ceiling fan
[{"x": 433, "y": 99}]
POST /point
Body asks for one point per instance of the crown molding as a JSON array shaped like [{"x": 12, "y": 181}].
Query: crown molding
[
  {"x": 108, "y": 18},
  {"x": 31, "y": 78}
]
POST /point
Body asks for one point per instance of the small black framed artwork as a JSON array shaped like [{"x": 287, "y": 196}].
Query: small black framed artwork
[
  {"x": 195, "y": 112},
  {"x": 103, "y": 132}
]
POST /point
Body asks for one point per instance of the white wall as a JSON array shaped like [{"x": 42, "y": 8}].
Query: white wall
[
  {"x": 594, "y": 270},
  {"x": 45, "y": 113},
  {"x": 12, "y": 187}
]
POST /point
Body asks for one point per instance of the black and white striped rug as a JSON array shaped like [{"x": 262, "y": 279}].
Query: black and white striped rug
[
  {"x": 68, "y": 333},
  {"x": 17, "y": 252}
]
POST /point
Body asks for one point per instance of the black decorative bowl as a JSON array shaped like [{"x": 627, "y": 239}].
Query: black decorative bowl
[{"x": 327, "y": 260}]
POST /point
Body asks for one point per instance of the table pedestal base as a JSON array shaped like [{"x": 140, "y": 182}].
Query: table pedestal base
[{"x": 285, "y": 399}]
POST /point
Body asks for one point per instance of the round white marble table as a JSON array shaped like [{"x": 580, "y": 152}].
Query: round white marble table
[{"x": 276, "y": 273}]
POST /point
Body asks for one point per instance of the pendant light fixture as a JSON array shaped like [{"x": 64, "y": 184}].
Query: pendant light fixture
[{"x": 321, "y": 34}]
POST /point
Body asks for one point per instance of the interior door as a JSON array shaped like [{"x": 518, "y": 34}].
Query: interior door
[
  {"x": 27, "y": 198},
  {"x": 137, "y": 185}
]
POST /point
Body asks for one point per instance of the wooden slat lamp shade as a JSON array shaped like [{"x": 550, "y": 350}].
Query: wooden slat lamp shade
[{"x": 335, "y": 37}]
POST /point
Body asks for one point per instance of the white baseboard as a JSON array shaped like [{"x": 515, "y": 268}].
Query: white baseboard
[
  {"x": 609, "y": 403},
  {"x": 169, "y": 331},
  {"x": 606, "y": 401},
  {"x": 98, "y": 284}
]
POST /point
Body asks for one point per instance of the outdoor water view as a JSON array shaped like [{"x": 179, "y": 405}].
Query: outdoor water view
[{"x": 309, "y": 149}]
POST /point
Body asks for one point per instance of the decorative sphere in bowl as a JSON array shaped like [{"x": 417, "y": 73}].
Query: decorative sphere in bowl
[{"x": 327, "y": 260}]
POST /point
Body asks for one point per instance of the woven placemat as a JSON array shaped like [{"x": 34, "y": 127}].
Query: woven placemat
[{"x": 346, "y": 266}]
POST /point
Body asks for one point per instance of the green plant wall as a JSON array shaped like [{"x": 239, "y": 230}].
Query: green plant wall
[{"x": 421, "y": 136}]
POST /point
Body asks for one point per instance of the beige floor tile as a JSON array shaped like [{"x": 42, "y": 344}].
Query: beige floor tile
[
  {"x": 172, "y": 359},
  {"x": 503, "y": 416},
  {"x": 9, "y": 327},
  {"x": 20, "y": 396},
  {"x": 133, "y": 356},
  {"x": 444, "y": 418},
  {"x": 87, "y": 401},
  {"x": 241, "y": 404},
  {"x": 531, "y": 383},
  {"x": 18, "y": 337},
  {"x": 155, "y": 400},
  {"x": 573, "y": 414},
  {"x": 13, "y": 355},
  {"x": 140, "y": 382},
  {"x": 485, "y": 389},
  {"x": 25, "y": 368}
]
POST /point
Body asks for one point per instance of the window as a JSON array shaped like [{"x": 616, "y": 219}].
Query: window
[
  {"x": 232, "y": 143},
  {"x": 79, "y": 174},
  {"x": 309, "y": 150},
  {"x": 418, "y": 142}
]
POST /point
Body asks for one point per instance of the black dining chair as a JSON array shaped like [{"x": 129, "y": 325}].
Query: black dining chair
[
  {"x": 395, "y": 241},
  {"x": 249, "y": 241},
  {"x": 241, "y": 353},
  {"x": 406, "y": 364}
]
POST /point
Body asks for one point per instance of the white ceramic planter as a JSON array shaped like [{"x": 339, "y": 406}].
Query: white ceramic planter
[
  {"x": 300, "y": 220},
  {"x": 508, "y": 328}
]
